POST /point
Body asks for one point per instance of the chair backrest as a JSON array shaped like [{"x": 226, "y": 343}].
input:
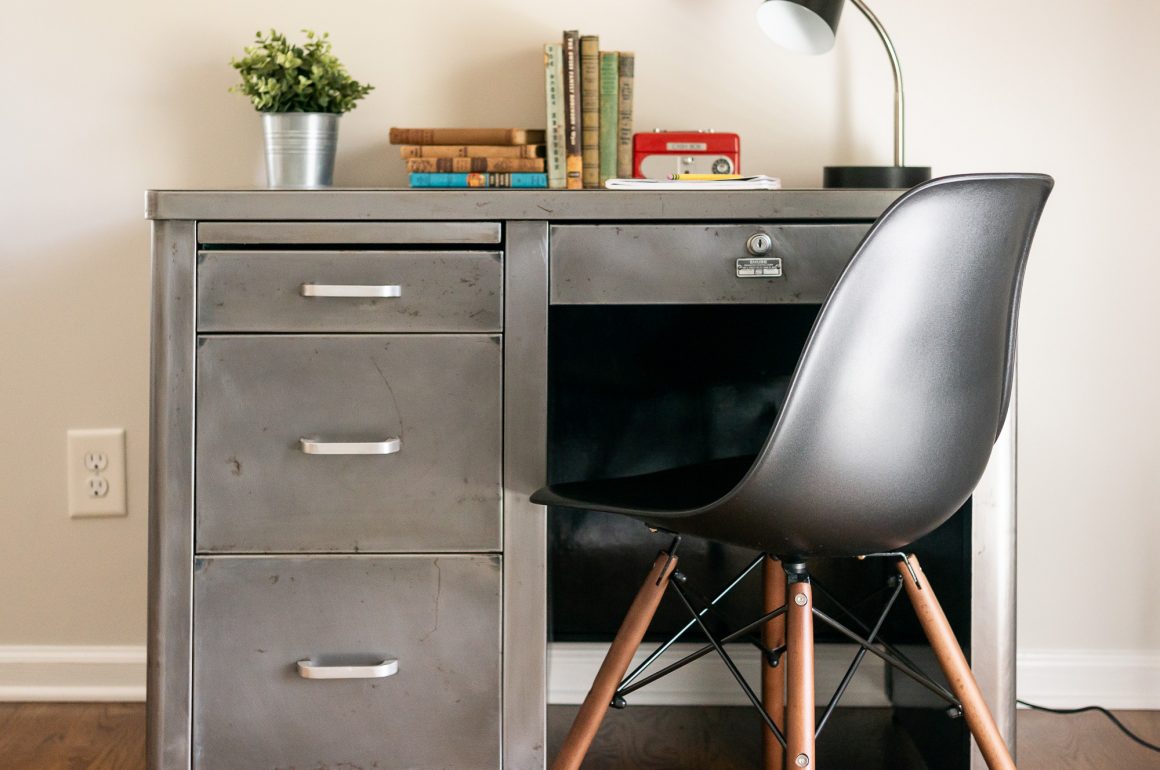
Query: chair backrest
[{"x": 904, "y": 383}]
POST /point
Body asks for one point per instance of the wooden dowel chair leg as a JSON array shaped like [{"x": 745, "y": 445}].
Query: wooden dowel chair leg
[
  {"x": 773, "y": 677},
  {"x": 954, "y": 665},
  {"x": 799, "y": 663},
  {"x": 615, "y": 664}
]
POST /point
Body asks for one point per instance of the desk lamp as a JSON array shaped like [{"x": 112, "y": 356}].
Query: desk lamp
[{"x": 809, "y": 26}]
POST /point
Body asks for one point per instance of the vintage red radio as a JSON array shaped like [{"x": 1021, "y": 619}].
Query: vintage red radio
[{"x": 659, "y": 154}]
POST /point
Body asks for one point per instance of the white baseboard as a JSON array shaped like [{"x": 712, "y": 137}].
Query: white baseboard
[
  {"x": 1117, "y": 679},
  {"x": 72, "y": 673},
  {"x": 573, "y": 666},
  {"x": 1056, "y": 678}
]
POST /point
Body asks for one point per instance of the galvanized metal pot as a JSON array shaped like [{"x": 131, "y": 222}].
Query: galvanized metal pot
[{"x": 300, "y": 148}]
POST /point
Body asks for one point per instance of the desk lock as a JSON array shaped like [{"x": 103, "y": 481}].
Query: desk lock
[
  {"x": 759, "y": 244},
  {"x": 760, "y": 265}
]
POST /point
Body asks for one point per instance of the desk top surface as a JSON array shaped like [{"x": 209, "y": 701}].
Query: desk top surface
[{"x": 553, "y": 205}]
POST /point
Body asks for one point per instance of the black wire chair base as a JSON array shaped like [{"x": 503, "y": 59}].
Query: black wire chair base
[{"x": 868, "y": 642}]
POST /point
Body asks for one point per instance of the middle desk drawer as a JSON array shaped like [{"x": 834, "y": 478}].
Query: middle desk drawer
[
  {"x": 347, "y": 443},
  {"x": 349, "y": 291}
]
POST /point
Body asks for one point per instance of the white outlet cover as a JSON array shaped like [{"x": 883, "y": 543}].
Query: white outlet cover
[{"x": 110, "y": 443}]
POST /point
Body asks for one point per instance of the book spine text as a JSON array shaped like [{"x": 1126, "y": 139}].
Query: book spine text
[
  {"x": 479, "y": 180},
  {"x": 506, "y": 136},
  {"x": 463, "y": 165},
  {"x": 471, "y": 151},
  {"x": 554, "y": 99},
  {"x": 624, "y": 116},
  {"x": 573, "y": 161},
  {"x": 609, "y": 107},
  {"x": 590, "y": 108}
]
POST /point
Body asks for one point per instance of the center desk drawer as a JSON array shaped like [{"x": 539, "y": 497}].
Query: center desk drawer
[
  {"x": 381, "y": 443},
  {"x": 420, "y": 634},
  {"x": 349, "y": 291},
  {"x": 697, "y": 264}
]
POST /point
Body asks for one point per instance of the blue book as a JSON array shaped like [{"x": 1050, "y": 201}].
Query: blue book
[{"x": 490, "y": 179}]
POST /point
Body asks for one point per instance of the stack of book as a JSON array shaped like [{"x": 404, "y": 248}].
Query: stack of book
[
  {"x": 472, "y": 157},
  {"x": 589, "y": 101}
]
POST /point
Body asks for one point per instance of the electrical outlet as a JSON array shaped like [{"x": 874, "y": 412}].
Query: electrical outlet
[{"x": 96, "y": 472}]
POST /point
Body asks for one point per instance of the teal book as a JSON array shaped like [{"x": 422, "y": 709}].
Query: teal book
[
  {"x": 494, "y": 180},
  {"x": 609, "y": 109}
]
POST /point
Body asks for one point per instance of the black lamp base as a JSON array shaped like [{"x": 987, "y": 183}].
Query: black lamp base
[{"x": 880, "y": 177}]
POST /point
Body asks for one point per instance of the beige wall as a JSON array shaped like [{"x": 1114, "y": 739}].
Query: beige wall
[{"x": 104, "y": 100}]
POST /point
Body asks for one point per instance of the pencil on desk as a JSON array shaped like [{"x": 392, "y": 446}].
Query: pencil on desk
[{"x": 703, "y": 177}]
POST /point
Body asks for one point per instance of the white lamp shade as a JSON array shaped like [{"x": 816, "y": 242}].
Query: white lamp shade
[{"x": 794, "y": 27}]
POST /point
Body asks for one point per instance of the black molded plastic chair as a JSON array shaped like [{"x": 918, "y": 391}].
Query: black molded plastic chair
[{"x": 890, "y": 419}]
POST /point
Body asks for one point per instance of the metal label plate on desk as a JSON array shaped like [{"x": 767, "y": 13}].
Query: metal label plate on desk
[{"x": 759, "y": 267}]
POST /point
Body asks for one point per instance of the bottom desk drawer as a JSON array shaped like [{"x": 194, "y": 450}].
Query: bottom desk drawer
[{"x": 346, "y": 661}]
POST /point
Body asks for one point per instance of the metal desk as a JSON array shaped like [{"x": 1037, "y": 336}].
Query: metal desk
[{"x": 580, "y": 247}]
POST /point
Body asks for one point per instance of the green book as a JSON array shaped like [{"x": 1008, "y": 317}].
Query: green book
[
  {"x": 609, "y": 108},
  {"x": 624, "y": 148}
]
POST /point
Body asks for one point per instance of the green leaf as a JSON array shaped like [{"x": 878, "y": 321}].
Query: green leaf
[{"x": 280, "y": 77}]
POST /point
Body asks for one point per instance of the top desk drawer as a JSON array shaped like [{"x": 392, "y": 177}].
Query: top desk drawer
[
  {"x": 349, "y": 291},
  {"x": 694, "y": 264},
  {"x": 347, "y": 233}
]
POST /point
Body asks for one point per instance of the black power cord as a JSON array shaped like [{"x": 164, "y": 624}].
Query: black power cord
[{"x": 1100, "y": 709}]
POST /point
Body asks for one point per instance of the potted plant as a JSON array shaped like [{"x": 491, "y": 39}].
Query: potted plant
[{"x": 301, "y": 92}]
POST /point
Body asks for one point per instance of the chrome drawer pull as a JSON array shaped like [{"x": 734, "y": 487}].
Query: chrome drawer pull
[
  {"x": 312, "y": 446},
  {"x": 348, "y": 290},
  {"x": 307, "y": 669}
]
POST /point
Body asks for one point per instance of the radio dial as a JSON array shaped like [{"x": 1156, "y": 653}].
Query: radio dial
[
  {"x": 759, "y": 244},
  {"x": 722, "y": 166}
]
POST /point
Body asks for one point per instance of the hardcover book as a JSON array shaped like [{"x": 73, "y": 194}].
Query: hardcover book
[
  {"x": 573, "y": 161},
  {"x": 466, "y": 136},
  {"x": 479, "y": 180},
  {"x": 471, "y": 151},
  {"x": 463, "y": 165},
  {"x": 590, "y": 109},
  {"x": 554, "y": 99},
  {"x": 624, "y": 115},
  {"x": 609, "y": 107}
]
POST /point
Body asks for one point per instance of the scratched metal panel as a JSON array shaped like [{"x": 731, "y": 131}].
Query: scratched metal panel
[
  {"x": 258, "y": 396},
  {"x": 436, "y": 291},
  {"x": 256, "y": 617},
  {"x": 694, "y": 264}
]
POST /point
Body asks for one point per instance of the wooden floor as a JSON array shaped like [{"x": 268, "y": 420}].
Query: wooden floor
[{"x": 111, "y": 736}]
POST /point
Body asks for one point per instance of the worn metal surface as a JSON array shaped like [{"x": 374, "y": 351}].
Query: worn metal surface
[
  {"x": 260, "y": 291},
  {"x": 993, "y": 584},
  {"x": 695, "y": 264},
  {"x": 525, "y": 468},
  {"x": 257, "y": 617},
  {"x": 373, "y": 233},
  {"x": 543, "y": 205},
  {"x": 258, "y": 396},
  {"x": 171, "y": 415}
]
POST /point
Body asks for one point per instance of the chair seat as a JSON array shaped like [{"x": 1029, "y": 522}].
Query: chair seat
[{"x": 669, "y": 493}]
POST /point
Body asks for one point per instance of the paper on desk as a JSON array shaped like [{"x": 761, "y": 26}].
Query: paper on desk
[{"x": 744, "y": 183}]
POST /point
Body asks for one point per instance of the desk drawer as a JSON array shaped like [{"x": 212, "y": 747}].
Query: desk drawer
[
  {"x": 694, "y": 264},
  {"x": 349, "y": 291},
  {"x": 260, "y": 488},
  {"x": 255, "y": 618}
]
